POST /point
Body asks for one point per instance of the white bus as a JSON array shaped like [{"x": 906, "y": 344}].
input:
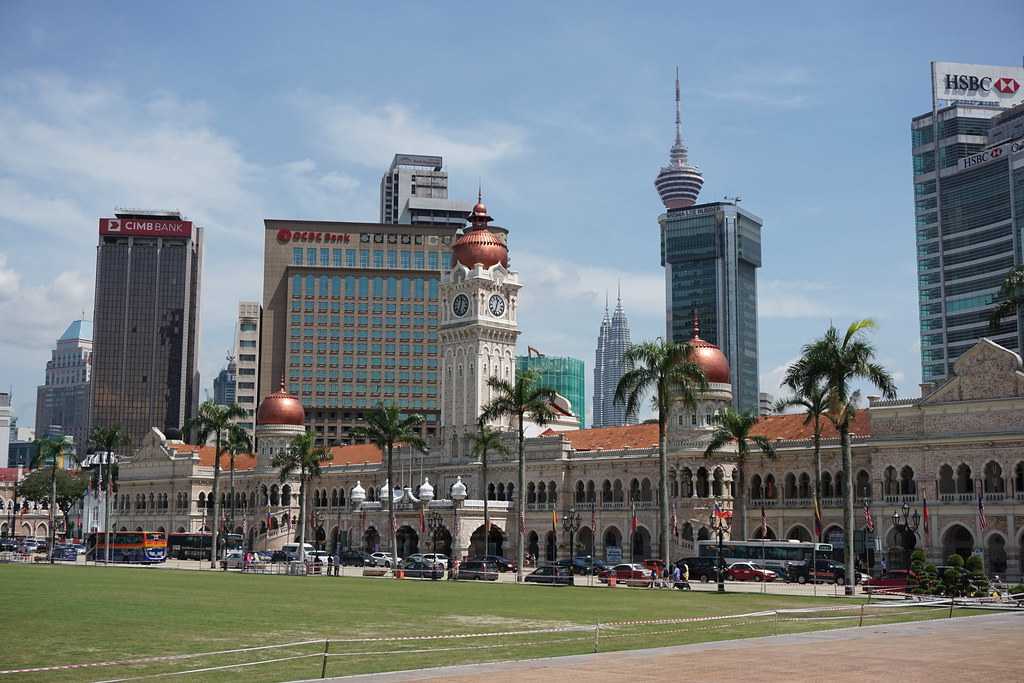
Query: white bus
[{"x": 779, "y": 556}]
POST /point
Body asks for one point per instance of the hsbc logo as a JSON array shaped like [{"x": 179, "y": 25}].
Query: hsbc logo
[{"x": 1007, "y": 86}]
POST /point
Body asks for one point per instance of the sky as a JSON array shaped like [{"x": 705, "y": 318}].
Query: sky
[{"x": 235, "y": 112}]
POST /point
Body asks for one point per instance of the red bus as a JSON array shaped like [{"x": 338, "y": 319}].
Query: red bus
[{"x": 135, "y": 547}]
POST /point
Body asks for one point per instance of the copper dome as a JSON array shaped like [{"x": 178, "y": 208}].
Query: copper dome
[
  {"x": 478, "y": 244},
  {"x": 708, "y": 357},
  {"x": 281, "y": 408}
]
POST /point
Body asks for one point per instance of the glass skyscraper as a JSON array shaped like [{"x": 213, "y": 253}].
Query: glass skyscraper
[
  {"x": 711, "y": 253},
  {"x": 968, "y": 161},
  {"x": 561, "y": 373},
  {"x": 146, "y": 323},
  {"x": 612, "y": 342}
]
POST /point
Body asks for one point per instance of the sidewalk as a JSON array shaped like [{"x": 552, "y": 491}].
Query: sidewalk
[{"x": 917, "y": 651}]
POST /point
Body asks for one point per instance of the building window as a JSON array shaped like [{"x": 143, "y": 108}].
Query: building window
[
  {"x": 296, "y": 256},
  {"x": 311, "y": 256}
]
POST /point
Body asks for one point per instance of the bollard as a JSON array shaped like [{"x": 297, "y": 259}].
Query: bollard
[
  {"x": 323, "y": 668},
  {"x": 861, "y": 623},
  {"x": 611, "y": 581},
  {"x": 597, "y": 635}
]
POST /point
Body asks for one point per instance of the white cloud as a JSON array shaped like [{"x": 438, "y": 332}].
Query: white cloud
[
  {"x": 372, "y": 135},
  {"x": 777, "y": 88},
  {"x": 31, "y": 313},
  {"x": 771, "y": 380},
  {"x": 795, "y": 299}
]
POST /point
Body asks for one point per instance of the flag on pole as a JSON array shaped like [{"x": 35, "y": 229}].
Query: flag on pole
[
  {"x": 554, "y": 520},
  {"x": 764, "y": 523},
  {"x": 927, "y": 519},
  {"x": 593, "y": 517},
  {"x": 423, "y": 522},
  {"x": 633, "y": 522},
  {"x": 982, "y": 520},
  {"x": 869, "y": 521},
  {"x": 818, "y": 526},
  {"x": 675, "y": 522}
]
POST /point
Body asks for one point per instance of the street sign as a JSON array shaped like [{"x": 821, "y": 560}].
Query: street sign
[{"x": 614, "y": 554}]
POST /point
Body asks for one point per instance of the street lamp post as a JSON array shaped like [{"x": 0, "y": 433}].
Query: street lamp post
[
  {"x": 435, "y": 522},
  {"x": 571, "y": 523},
  {"x": 905, "y": 523},
  {"x": 719, "y": 525}
]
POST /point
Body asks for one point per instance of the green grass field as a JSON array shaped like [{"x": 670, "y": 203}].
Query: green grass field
[{"x": 74, "y": 615}]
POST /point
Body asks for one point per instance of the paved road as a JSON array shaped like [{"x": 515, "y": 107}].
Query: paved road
[{"x": 977, "y": 647}]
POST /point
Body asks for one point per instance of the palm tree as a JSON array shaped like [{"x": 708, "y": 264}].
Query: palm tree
[
  {"x": 814, "y": 401},
  {"x": 1010, "y": 297},
  {"x": 485, "y": 441},
  {"x": 734, "y": 426},
  {"x": 837, "y": 362},
  {"x": 665, "y": 372},
  {"x": 385, "y": 427},
  {"x": 107, "y": 440},
  {"x": 304, "y": 456},
  {"x": 524, "y": 398},
  {"x": 51, "y": 452},
  {"x": 216, "y": 420},
  {"x": 239, "y": 443}
]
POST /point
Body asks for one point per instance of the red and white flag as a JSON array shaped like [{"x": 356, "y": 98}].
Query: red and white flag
[
  {"x": 764, "y": 523},
  {"x": 869, "y": 521},
  {"x": 982, "y": 520}
]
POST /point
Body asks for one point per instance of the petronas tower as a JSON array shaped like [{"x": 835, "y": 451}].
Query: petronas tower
[{"x": 612, "y": 342}]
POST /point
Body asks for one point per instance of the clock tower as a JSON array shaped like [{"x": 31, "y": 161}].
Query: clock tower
[{"x": 478, "y": 330}]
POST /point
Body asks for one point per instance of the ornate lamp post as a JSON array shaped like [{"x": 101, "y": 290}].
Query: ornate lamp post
[
  {"x": 358, "y": 496},
  {"x": 459, "y": 493},
  {"x": 571, "y": 524},
  {"x": 719, "y": 525},
  {"x": 435, "y": 522},
  {"x": 906, "y": 523}
]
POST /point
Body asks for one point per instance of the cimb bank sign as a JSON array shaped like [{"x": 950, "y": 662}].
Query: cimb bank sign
[
  {"x": 988, "y": 86},
  {"x": 145, "y": 227}
]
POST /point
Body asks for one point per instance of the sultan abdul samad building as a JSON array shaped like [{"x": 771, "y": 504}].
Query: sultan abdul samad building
[{"x": 960, "y": 441}]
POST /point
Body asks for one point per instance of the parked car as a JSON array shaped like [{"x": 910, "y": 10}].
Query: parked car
[
  {"x": 356, "y": 558},
  {"x": 263, "y": 556},
  {"x": 477, "y": 570},
  {"x": 423, "y": 570},
  {"x": 8, "y": 546},
  {"x": 279, "y": 556},
  {"x": 436, "y": 558},
  {"x": 584, "y": 566},
  {"x": 627, "y": 573},
  {"x": 551, "y": 575},
  {"x": 894, "y": 578},
  {"x": 319, "y": 556},
  {"x": 825, "y": 571},
  {"x": 748, "y": 571},
  {"x": 702, "y": 569},
  {"x": 383, "y": 559},
  {"x": 502, "y": 563},
  {"x": 233, "y": 559}
]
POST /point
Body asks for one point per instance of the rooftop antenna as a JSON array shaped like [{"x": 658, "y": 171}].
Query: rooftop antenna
[
  {"x": 735, "y": 200},
  {"x": 679, "y": 123}
]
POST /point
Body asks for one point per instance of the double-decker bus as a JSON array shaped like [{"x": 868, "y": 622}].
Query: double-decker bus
[
  {"x": 136, "y": 547},
  {"x": 196, "y": 546},
  {"x": 780, "y": 556}
]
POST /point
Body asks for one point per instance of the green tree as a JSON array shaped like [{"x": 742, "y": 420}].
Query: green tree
[
  {"x": 385, "y": 427},
  {"x": 924, "y": 577},
  {"x": 976, "y": 582},
  {"x": 814, "y": 401},
  {"x": 1010, "y": 297},
  {"x": 302, "y": 456},
  {"x": 239, "y": 443},
  {"x": 70, "y": 489},
  {"x": 837, "y": 362},
  {"x": 51, "y": 453},
  {"x": 953, "y": 578},
  {"x": 487, "y": 440},
  {"x": 217, "y": 421},
  {"x": 662, "y": 370},
  {"x": 520, "y": 400},
  {"x": 734, "y": 427}
]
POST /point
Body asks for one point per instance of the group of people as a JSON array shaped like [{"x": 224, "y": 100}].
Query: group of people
[{"x": 675, "y": 578}]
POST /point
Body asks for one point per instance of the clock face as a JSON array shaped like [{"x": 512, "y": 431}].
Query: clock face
[
  {"x": 460, "y": 305},
  {"x": 496, "y": 305}
]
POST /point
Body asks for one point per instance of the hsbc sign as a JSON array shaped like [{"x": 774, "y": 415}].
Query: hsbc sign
[
  {"x": 1007, "y": 149},
  {"x": 145, "y": 227},
  {"x": 988, "y": 86}
]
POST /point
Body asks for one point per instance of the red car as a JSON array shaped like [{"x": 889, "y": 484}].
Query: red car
[
  {"x": 746, "y": 571},
  {"x": 894, "y": 578},
  {"x": 628, "y": 574}
]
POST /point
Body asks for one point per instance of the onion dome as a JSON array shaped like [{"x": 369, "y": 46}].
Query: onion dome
[
  {"x": 358, "y": 494},
  {"x": 708, "y": 357},
  {"x": 384, "y": 492},
  {"x": 458, "y": 490},
  {"x": 678, "y": 184},
  {"x": 426, "y": 490},
  {"x": 478, "y": 244},
  {"x": 281, "y": 408}
]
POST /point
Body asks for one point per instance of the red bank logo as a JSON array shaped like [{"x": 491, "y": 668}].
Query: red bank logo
[
  {"x": 284, "y": 235},
  {"x": 1007, "y": 86},
  {"x": 114, "y": 225}
]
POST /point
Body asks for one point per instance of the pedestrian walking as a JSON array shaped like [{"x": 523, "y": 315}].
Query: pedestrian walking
[
  {"x": 665, "y": 583},
  {"x": 330, "y": 565},
  {"x": 654, "y": 578}
]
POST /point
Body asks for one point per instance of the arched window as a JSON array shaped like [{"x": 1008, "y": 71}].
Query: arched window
[
  {"x": 202, "y": 501},
  {"x": 501, "y": 492},
  {"x": 634, "y": 489},
  {"x": 994, "y": 478},
  {"x": 826, "y": 485},
  {"x": 542, "y": 493},
  {"x": 606, "y": 492},
  {"x": 769, "y": 487},
  {"x": 552, "y": 493},
  {"x": 591, "y": 492},
  {"x": 947, "y": 484},
  {"x": 804, "y": 489},
  {"x": 334, "y": 498},
  {"x": 581, "y": 492},
  {"x": 274, "y": 499},
  {"x": 703, "y": 486},
  {"x": 790, "y": 490},
  {"x": 716, "y": 482},
  {"x": 617, "y": 495},
  {"x": 908, "y": 486},
  {"x": 645, "y": 490},
  {"x": 686, "y": 483},
  {"x": 1018, "y": 479},
  {"x": 756, "y": 488},
  {"x": 531, "y": 493},
  {"x": 889, "y": 484},
  {"x": 286, "y": 495},
  {"x": 840, "y": 484},
  {"x": 964, "y": 483},
  {"x": 863, "y": 485}
]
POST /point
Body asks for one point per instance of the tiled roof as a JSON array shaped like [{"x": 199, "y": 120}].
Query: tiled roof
[
  {"x": 789, "y": 427},
  {"x": 8, "y": 473},
  {"x": 340, "y": 455}
]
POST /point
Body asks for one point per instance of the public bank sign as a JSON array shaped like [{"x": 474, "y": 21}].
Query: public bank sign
[
  {"x": 989, "y": 86},
  {"x": 145, "y": 227}
]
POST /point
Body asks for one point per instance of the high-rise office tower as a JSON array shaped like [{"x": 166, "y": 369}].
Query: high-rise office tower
[
  {"x": 414, "y": 191},
  {"x": 711, "y": 253},
  {"x": 350, "y": 318},
  {"x": 5, "y": 427},
  {"x": 146, "y": 322},
  {"x": 563, "y": 374},
  {"x": 612, "y": 342},
  {"x": 224, "y": 384},
  {"x": 62, "y": 402},
  {"x": 968, "y": 154},
  {"x": 247, "y": 361}
]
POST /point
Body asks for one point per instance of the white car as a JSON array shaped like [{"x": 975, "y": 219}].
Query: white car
[
  {"x": 383, "y": 559},
  {"x": 233, "y": 559},
  {"x": 436, "y": 558},
  {"x": 318, "y": 556}
]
